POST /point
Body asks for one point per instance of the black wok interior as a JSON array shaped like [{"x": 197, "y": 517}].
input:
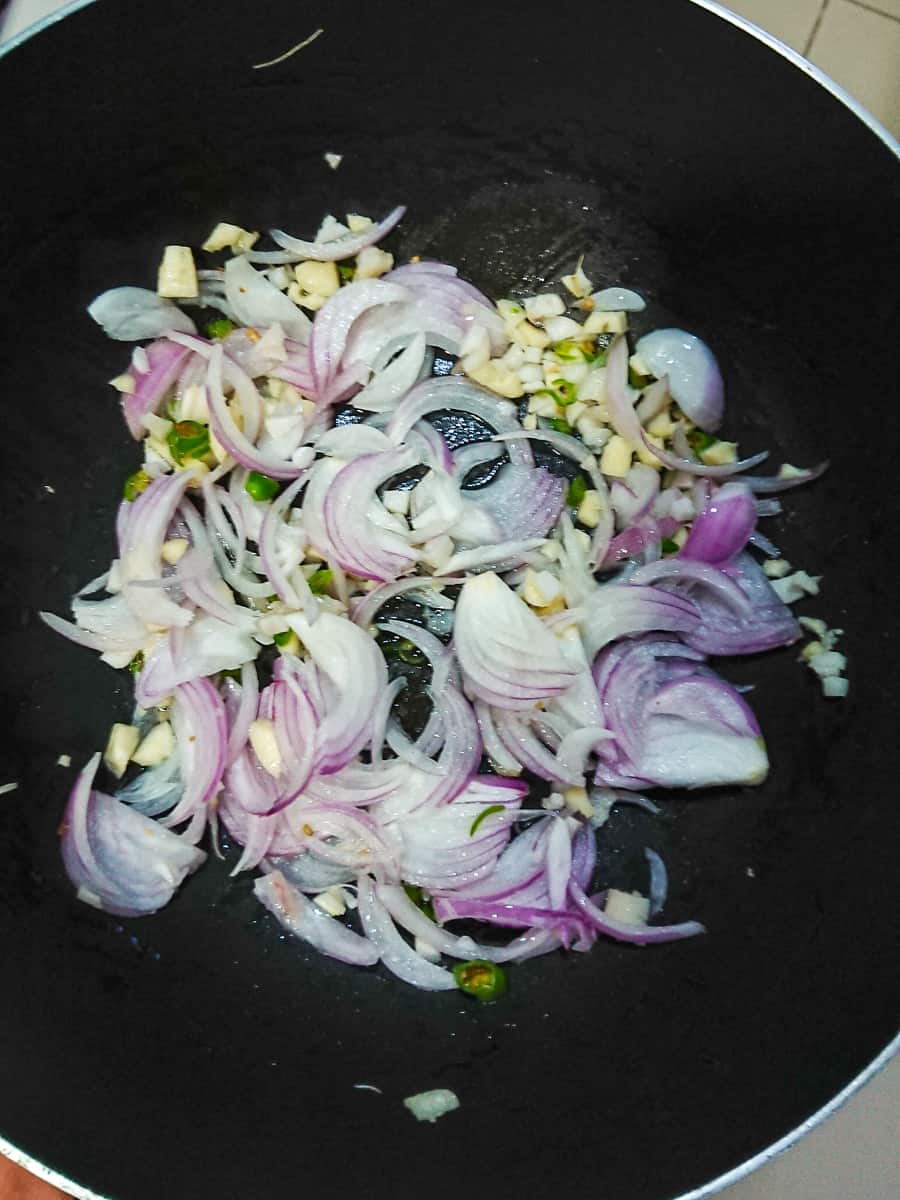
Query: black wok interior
[{"x": 199, "y": 1052}]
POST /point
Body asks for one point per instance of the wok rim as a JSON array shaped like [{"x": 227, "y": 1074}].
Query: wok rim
[{"x": 715, "y": 1186}]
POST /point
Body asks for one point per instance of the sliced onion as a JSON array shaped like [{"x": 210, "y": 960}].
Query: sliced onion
[
  {"x": 721, "y": 529},
  {"x": 622, "y": 610},
  {"x": 659, "y": 881},
  {"x": 118, "y": 859},
  {"x": 388, "y": 386},
  {"x": 397, "y": 956},
  {"x": 201, "y": 730},
  {"x": 457, "y": 394},
  {"x": 362, "y": 548},
  {"x": 355, "y": 667},
  {"x": 258, "y": 302},
  {"x": 166, "y": 361},
  {"x": 333, "y": 251},
  {"x": 333, "y": 323},
  {"x": 618, "y": 299},
  {"x": 695, "y": 380},
  {"x": 620, "y": 931},
  {"x": 506, "y": 655},
  {"x": 305, "y": 920},
  {"x": 131, "y": 314}
]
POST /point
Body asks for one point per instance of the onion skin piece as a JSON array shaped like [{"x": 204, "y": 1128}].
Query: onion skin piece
[
  {"x": 305, "y": 920},
  {"x": 118, "y": 859}
]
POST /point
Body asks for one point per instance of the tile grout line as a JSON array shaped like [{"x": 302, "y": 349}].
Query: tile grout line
[
  {"x": 873, "y": 8},
  {"x": 815, "y": 29}
]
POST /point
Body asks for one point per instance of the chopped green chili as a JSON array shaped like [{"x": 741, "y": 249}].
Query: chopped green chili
[
  {"x": 637, "y": 380},
  {"x": 669, "y": 547},
  {"x": 559, "y": 424},
  {"x": 481, "y": 979},
  {"x": 137, "y": 663},
  {"x": 188, "y": 440},
  {"x": 485, "y": 812},
  {"x": 135, "y": 484},
  {"x": 577, "y": 491},
  {"x": 346, "y": 271},
  {"x": 320, "y": 581},
  {"x": 419, "y": 899},
  {"x": 220, "y": 328},
  {"x": 700, "y": 441},
  {"x": 261, "y": 487}
]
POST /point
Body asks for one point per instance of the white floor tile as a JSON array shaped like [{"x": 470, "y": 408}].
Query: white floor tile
[
  {"x": 790, "y": 20},
  {"x": 860, "y": 50}
]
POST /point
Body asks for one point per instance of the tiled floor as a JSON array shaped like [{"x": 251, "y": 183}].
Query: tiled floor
[
  {"x": 856, "y": 43},
  {"x": 853, "y": 1156}
]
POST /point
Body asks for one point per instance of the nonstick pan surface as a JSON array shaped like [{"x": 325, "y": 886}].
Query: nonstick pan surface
[{"x": 199, "y": 1052}]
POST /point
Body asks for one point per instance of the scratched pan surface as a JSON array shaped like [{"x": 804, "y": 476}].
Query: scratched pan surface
[{"x": 198, "y": 1052}]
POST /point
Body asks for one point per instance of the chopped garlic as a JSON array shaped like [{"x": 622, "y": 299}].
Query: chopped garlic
[
  {"x": 646, "y": 455},
  {"x": 629, "y": 907},
  {"x": 475, "y": 348},
  {"x": 560, "y": 329},
  {"x": 540, "y": 588},
  {"x": 661, "y": 425},
  {"x": 593, "y": 389},
  {"x": 173, "y": 550},
  {"x": 318, "y": 278},
  {"x": 543, "y": 406},
  {"x": 192, "y": 405},
  {"x": 606, "y": 322},
  {"x": 427, "y": 950},
  {"x": 122, "y": 743},
  {"x": 794, "y": 587},
  {"x": 357, "y": 223},
  {"x": 553, "y": 803},
  {"x": 531, "y": 373},
  {"x": 331, "y": 229},
  {"x": 436, "y": 552},
  {"x": 333, "y": 160},
  {"x": 576, "y": 799},
  {"x": 372, "y": 262},
  {"x": 312, "y": 300},
  {"x": 828, "y": 662},
  {"x": 5, "y": 788},
  {"x": 719, "y": 454},
  {"x": 397, "y": 502},
  {"x": 64, "y": 760},
  {"x": 776, "y": 568},
  {"x": 529, "y": 422},
  {"x": 528, "y": 336},
  {"x": 578, "y": 283},
  {"x": 616, "y": 458},
  {"x": 513, "y": 358},
  {"x": 428, "y": 1106},
  {"x": 226, "y": 236},
  {"x": 511, "y": 311},
  {"x": 547, "y": 304},
  {"x": 574, "y": 411},
  {"x": 156, "y": 746},
  {"x": 533, "y": 354},
  {"x": 265, "y": 745},
  {"x": 499, "y": 379},
  {"x": 331, "y": 901},
  {"x": 835, "y": 686},
  {"x": 789, "y": 471},
  {"x": 590, "y": 509},
  {"x": 814, "y": 624},
  {"x": 177, "y": 276},
  {"x": 123, "y": 383}
]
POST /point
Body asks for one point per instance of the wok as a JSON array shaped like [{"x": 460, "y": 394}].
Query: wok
[{"x": 199, "y": 1052}]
